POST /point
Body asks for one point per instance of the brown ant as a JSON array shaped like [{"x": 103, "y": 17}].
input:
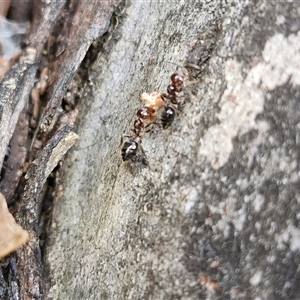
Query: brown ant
[{"x": 176, "y": 86}]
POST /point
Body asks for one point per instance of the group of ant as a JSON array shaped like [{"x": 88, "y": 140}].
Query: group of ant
[{"x": 158, "y": 108}]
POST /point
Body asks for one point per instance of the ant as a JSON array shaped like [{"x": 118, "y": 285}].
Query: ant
[
  {"x": 148, "y": 113},
  {"x": 176, "y": 86}
]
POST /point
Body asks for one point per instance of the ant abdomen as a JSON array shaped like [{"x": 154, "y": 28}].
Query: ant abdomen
[
  {"x": 167, "y": 117},
  {"x": 129, "y": 150}
]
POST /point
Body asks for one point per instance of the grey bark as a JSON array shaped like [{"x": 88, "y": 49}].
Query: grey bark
[{"x": 215, "y": 215}]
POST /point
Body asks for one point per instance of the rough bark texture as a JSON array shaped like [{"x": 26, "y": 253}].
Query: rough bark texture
[
  {"x": 68, "y": 28},
  {"x": 215, "y": 214},
  {"x": 15, "y": 89}
]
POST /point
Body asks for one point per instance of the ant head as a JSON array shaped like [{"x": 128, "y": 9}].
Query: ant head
[{"x": 180, "y": 70}]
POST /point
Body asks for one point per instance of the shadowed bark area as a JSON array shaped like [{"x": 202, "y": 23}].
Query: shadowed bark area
[
  {"x": 60, "y": 35},
  {"x": 214, "y": 215}
]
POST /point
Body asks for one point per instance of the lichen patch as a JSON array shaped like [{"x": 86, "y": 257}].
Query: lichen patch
[{"x": 243, "y": 98}]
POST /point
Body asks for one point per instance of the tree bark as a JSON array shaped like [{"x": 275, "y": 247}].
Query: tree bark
[{"x": 215, "y": 213}]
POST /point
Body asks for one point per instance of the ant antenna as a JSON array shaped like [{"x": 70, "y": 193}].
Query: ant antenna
[{"x": 175, "y": 64}]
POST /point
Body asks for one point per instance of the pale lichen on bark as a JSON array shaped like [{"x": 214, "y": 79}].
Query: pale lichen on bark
[{"x": 243, "y": 99}]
